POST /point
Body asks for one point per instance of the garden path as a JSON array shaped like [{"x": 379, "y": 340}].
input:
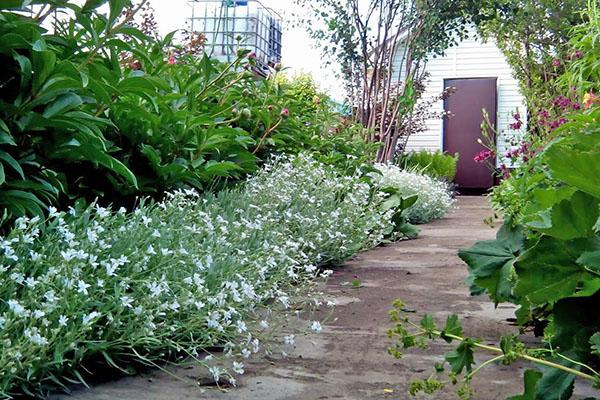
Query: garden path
[{"x": 348, "y": 360}]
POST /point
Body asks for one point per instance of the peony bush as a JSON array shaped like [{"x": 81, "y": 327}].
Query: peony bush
[
  {"x": 434, "y": 197},
  {"x": 173, "y": 278}
]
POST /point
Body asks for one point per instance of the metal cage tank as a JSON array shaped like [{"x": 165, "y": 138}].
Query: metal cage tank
[{"x": 232, "y": 24}]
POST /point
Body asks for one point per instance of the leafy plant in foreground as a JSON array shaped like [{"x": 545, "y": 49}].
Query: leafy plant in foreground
[{"x": 558, "y": 369}]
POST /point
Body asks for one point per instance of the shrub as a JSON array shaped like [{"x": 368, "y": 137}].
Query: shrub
[
  {"x": 434, "y": 200},
  {"x": 435, "y": 164},
  {"x": 95, "y": 108},
  {"x": 173, "y": 278}
]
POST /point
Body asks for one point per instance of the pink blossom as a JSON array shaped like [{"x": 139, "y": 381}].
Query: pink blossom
[{"x": 172, "y": 59}]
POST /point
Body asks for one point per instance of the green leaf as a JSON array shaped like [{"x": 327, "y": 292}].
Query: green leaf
[
  {"x": 91, "y": 5},
  {"x": 62, "y": 104},
  {"x": 530, "y": 380},
  {"x": 572, "y": 218},
  {"x": 574, "y": 160},
  {"x": 2, "y": 176},
  {"x": 14, "y": 164},
  {"x": 555, "y": 384},
  {"x": 116, "y": 8},
  {"x": 26, "y": 69},
  {"x": 452, "y": 327},
  {"x": 491, "y": 262},
  {"x": 595, "y": 343},
  {"x": 549, "y": 270},
  {"x": 43, "y": 65},
  {"x": 576, "y": 320},
  {"x": 591, "y": 260},
  {"x": 462, "y": 357},
  {"x": 428, "y": 324}
]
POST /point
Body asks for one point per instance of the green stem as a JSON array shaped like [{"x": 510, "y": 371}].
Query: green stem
[
  {"x": 484, "y": 364},
  {"x": 218, "y": 78},
  {"x": 523, "y": 356}
]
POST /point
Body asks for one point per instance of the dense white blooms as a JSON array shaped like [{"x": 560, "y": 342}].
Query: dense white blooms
[
  {"x": 180, "y": 276},
  {"x": 435, "y": 199}
]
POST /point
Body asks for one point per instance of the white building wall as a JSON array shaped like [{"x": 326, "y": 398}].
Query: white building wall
[{"x": 471, "y": 58}]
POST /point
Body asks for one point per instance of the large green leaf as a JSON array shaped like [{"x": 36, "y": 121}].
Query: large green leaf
[
  {"x": 574, "y": 160},
  {"x": 571, "y": 218},
  {"x": 555, "y": 384},
  {"x": 576, "y": 320},
  {"x": 530, "y": 380},
  {"x": 549, "y": 270},
  {"x": 491, "y": 262}
]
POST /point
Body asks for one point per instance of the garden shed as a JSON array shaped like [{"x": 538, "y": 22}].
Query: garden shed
[{"x": 483, "y": 79}]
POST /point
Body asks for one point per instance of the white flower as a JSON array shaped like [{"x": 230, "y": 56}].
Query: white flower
[
  {"x": 102, "y": 212},
  {"x": 264, "y": 324},
  {"x": 316, "y": 326},
  {"x": 289, "y": 339},
  {"x": 53, "y": 212},
  {"x": 87, "y": 319},
  {"x": 34, "y": 336},
  {"x": 156, "y": 233},
  {"x": 126, "y": 301},
  {"x": 82, "y": 287},
  {"x": 62, "y": 320},
  {"x": 151, "y": 250},
  {"x": 241, "y": 326},
  {"x": 215, "y": 372},
  {"x": 238, "y": 368},
  {"x": 17, "y": 308},
  {"x": 246, "y": 353},
  {"x": 285, "y": 301}
]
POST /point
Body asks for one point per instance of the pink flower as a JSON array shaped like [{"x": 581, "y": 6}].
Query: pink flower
[
  {"x": 483, "y": 155},
  {"x": 171, "y": 59},
  {"x": 285, "y": 113},
  {"x": 556, "y": 62}
]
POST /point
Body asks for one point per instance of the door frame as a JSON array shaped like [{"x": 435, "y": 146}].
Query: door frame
[{"x": 495, "y": 121}]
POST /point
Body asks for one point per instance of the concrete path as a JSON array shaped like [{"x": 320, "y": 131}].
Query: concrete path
[{"x": 348, "y": 360}]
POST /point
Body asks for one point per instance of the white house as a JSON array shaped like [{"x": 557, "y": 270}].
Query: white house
[{"x": 483, "y": 79}]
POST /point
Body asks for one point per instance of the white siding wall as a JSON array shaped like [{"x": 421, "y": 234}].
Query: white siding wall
[{"x": 471, "y": 58}]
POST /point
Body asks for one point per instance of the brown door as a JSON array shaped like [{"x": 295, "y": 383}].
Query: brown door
[{"x": 462, "y": 130}]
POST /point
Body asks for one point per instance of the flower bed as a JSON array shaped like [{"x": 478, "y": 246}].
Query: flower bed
[
  {"x": 435, "y": 199},
  {"x": 173, "y": 278}
]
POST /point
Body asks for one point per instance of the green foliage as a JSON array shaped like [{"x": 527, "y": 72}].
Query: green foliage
[
  {"x": 534, "y": 36},
  {"x": 94, "y": 108},
  {"x": 434, "y": 198},
  {"x": 558, "y": 368},
  {"x": 551, "y": 263},
  {"x": 172, "y": 279},
  {"x": 582, "y": 74},
  {"x": 491, "y": 263},
  {"x": 435, "y": 164}
]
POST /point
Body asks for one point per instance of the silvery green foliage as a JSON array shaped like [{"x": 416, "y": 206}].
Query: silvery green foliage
[
  {"x": 435, "y": 199},
  {"x": 175, "y": 277}
]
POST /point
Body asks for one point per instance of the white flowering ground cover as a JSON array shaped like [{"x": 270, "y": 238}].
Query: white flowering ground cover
[
  {"x": 434, "y": 197},
  {"x": 172, "y": 279}
]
